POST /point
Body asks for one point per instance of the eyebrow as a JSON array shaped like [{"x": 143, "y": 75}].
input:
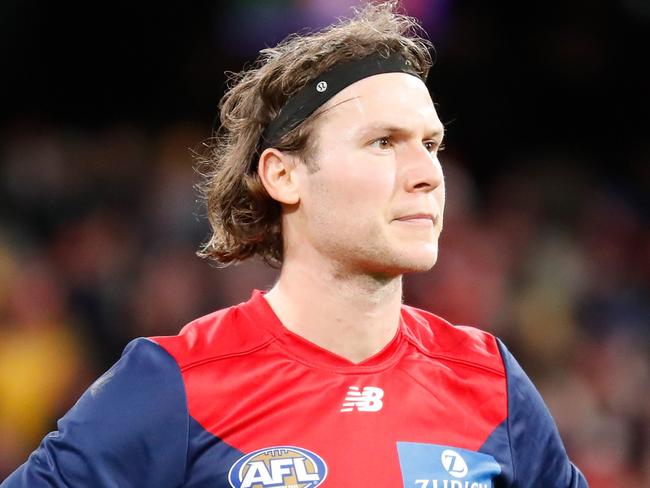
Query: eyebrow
[{"x": 432, "y": 132}]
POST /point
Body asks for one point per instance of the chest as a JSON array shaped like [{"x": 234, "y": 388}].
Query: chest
[{"x": 418, "y": 424}]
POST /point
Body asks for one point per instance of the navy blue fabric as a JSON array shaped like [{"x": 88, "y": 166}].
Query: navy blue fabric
[
  {"x": 537, "y": 455},
  {"x": 129, "y": 429},
  {"x": 209, "y": 459},
  {"x": 497, "y": 445}
]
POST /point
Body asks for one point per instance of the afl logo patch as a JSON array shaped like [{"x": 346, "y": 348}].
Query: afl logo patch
[{"x": 279, "y": 467}]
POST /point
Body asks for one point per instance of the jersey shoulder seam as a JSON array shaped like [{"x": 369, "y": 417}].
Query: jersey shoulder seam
[
  {"x": 473, "y": 364},
  {"x": 219, "y": 357}
]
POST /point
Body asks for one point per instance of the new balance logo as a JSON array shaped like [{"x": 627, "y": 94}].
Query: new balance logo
[{"x": 366, "y": 400}]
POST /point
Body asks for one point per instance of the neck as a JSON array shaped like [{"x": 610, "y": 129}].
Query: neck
[{"x": 353, "y": 316}]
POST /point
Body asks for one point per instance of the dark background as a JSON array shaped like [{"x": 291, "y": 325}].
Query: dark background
[{"x": 510, "y": 78}]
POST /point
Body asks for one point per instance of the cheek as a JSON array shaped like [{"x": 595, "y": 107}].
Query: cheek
[
  {"x": 356, "y": 183},
  {"x": 441, "y": 196}
]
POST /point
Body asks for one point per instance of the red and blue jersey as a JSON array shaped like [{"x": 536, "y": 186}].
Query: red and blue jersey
[{"x": 236, "y": 400}]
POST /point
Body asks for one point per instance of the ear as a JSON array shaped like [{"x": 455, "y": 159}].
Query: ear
[{"x": 276, "y": 169}]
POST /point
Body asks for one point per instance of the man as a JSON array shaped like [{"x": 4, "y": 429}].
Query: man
[{"x": 326, "y": 163}]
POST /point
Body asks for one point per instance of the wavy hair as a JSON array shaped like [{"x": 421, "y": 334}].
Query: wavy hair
[{"x": 245, "y": 220}]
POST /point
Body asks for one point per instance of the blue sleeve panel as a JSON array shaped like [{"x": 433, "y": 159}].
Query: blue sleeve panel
[
  {"x": 209, "y": 459},
  {"x": 537, "y": 455},
  {"x": 129, "y": 429},
  {"x": 498, "y": 446}
]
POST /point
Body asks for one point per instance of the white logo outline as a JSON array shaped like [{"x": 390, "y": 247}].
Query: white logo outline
[
  {"x": 368, "y": 399},
  {"x": 317, "y": 478},
  {"x": 321, "y": 86},
  {"x": 454, "y": 463}
]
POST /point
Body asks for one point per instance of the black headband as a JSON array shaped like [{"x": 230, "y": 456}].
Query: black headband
[{"x": 319, "y": 90}]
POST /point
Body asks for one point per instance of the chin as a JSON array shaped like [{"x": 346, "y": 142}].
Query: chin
[
  {"x": 422, "y": 265},
  {"x": 416, "y": 260}
]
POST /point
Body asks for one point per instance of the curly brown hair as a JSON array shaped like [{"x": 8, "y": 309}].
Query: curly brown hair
[{"x": 245, "y": 220}]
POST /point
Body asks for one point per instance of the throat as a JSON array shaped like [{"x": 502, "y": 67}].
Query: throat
[{"x": 347, "y": 319}]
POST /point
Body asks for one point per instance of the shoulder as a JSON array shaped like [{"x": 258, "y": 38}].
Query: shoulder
[
  {"x": 436, "y": 337},
  {"x": 232, "y": 331},
  {"x": 145, "y": 370},
  {"x": 130, "y": 428}
]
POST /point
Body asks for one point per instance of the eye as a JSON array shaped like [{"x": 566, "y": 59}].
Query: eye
[
  {"x": 433, "y": 146},
  {"x": 382, "y": 143}
]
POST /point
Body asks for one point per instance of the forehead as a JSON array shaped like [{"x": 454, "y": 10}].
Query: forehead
[{"x": 400, "y": 99}]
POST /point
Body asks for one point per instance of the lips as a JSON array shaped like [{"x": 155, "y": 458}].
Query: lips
[{"x": 418, "y": 218}]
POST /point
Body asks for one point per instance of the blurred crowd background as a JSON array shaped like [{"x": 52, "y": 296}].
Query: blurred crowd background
[{"x": 547, "y": 162}]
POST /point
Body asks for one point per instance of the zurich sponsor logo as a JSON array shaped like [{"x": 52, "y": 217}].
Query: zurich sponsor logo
[
  {"x": 453, "y": 463},
  {"x": 435, "y": 466},
  {"x": 278, "y": 467}
]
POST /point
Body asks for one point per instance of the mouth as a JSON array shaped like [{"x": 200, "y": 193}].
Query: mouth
[{"x": 419, "y": 219}]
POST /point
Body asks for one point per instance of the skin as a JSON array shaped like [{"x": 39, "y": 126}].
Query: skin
[{"x": 370, "y": 212}]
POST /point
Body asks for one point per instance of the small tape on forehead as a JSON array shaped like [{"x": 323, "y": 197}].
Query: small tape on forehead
[{"x": 318, "y": 91}]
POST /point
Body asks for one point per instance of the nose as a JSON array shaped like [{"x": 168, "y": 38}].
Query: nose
[{"x": 422, "y": 169}]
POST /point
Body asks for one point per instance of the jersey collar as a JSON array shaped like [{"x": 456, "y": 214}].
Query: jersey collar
[{"x": 313, "y": 355}]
